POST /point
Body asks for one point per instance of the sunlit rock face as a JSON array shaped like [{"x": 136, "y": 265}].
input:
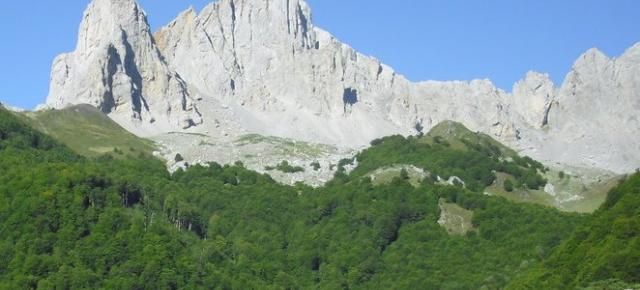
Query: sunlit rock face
[
  {"x": 117, "y": 67},
  {"x": 261, "y": 66}
]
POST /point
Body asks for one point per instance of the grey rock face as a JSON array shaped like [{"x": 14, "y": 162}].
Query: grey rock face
[
  {"x": 117, "y": 68},
  {"x": 594, "y": 120},
  {"x": 261, "y": 66}
]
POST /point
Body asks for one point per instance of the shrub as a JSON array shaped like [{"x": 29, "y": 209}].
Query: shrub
[
  {"x": 285, "y": 167},
  {"x": 508, "y": 185}
]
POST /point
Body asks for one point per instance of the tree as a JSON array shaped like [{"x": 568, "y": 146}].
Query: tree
[
  {"x": 404, "y": 174},
  {"x": 508, "y": 185}
]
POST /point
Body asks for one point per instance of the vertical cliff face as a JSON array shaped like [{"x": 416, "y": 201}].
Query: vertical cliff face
[
  {"x": 594, "y": 121},
  {"x": 533, "y": 98},
  {"x": 268, "y": 60},
  {"x": 117, "y": 68},
  {"x": 261, "y": 66}
]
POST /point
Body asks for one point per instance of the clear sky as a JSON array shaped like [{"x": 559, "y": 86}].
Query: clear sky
[{"x": 422, "y": 39}]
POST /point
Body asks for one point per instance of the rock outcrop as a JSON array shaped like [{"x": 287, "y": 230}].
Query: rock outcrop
[
  {"x": 261, "y": 66},
  {"x": 593, "y": 121},
  {"x": 117, "y": 67}
]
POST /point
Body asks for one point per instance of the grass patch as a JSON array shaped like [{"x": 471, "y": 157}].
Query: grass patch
[
  {"x": 385, "y": 175},
  {"x": 519, "y": 194},
  {"x": 89, "y": 132},
  {"x": 286, "y": 147},
  {"x": 455, "y": 219}
]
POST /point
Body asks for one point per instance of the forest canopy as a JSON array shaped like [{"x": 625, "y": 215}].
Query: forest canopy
[{"x": 70, "y": 222}]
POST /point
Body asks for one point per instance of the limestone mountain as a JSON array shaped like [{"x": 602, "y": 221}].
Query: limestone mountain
[
  {"x": 261, "y": 67},
  {"x": 117, "y": 67}
]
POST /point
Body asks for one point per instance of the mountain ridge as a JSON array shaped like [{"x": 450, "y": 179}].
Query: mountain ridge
[{"x": 261, "y": 66}]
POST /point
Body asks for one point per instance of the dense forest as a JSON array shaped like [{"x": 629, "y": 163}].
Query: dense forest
[
  {"x": 72, "y": 222},
  {"x": 603, "y": 251}
]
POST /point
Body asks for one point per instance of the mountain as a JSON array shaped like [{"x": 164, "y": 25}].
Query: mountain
[
  {"x": 117, "y": 67},
  {"x": 261, "y": 67}
]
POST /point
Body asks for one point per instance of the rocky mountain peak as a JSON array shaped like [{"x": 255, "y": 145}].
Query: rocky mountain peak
[
  {"x": 291, "y": 16},
  {"x": 117, "y": 68},
  {"x": 105, "y": 20},
  {"x": 631, "y": 56},
  {"x": 592, "y": 59},
  {"x": 533, "y": 97},
  {"x": 262, "y": 67}
]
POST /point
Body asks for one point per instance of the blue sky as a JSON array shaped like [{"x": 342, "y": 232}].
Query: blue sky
[{"x": 422, "y": 39}]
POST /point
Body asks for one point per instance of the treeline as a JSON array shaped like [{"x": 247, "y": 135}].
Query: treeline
[
  {"x": 603, "y": 253},
  {"x": 69, "y": 222}
]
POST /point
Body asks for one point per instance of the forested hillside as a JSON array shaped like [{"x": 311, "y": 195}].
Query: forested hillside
[
  {"x": 604, "y": 253},
  {"x": 72, "y": 222}
]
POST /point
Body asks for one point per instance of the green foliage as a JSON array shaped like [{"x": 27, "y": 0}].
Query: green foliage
[
  {"x": 611, "y": 284},
  {"x": 508, "y": 185},
  {"x": 285, "y": 167},
  {"x": 69, "y": 222},
  {"x": 474, "y": 165},
  {"x": 316, "y": 165},
  {"x": 404, "y": 174},
  {"x": 87, "y": 131},
  {"x": 606, "y": 247}
]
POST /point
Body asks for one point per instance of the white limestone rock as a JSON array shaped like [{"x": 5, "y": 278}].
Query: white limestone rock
[
  {"x": 117, "y": 68},
  {"x": 595, "y": 121},
  {"x": 533, "y": 97},
  {"x": 261, "y": 66}
]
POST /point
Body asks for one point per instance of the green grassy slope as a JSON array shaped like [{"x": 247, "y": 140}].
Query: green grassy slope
[
  {"x": 570, "y": 192},
  {"x": 602, "y": 253},
  {"x": 88, "y": 131},
  {"x": 462, "y": 138}
]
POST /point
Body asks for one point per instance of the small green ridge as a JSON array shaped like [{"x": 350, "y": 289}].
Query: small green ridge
[{"x": 89, "y": 132}]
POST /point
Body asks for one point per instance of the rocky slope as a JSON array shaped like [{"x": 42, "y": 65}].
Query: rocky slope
[{"x": 261, "y": 66}]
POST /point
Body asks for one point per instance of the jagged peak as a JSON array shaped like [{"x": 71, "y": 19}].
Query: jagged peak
[
  {"x": 187, "y": 15},
  {"x": 591, "y": 57},
  {"x": 534, "y": 80},
  {"x": 633, "y": 48},
  {"x": 190, "y": 10},
  {"x": 117, "y": 7},
  {"x": 632, "y": 53},
  {"x": 105, "y": 21},
  {"x": 297, "y": 11},
  {"x": 536, "y": 75},
  {"x": 594, "y": 52}
]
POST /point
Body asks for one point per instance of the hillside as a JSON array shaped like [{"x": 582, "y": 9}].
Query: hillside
[
  {"x": 604, "y": 253},
  {"x": 73, "y": 222},
  {"x": 88, "y": 131},
  {"x": 516, "y": 178}
]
